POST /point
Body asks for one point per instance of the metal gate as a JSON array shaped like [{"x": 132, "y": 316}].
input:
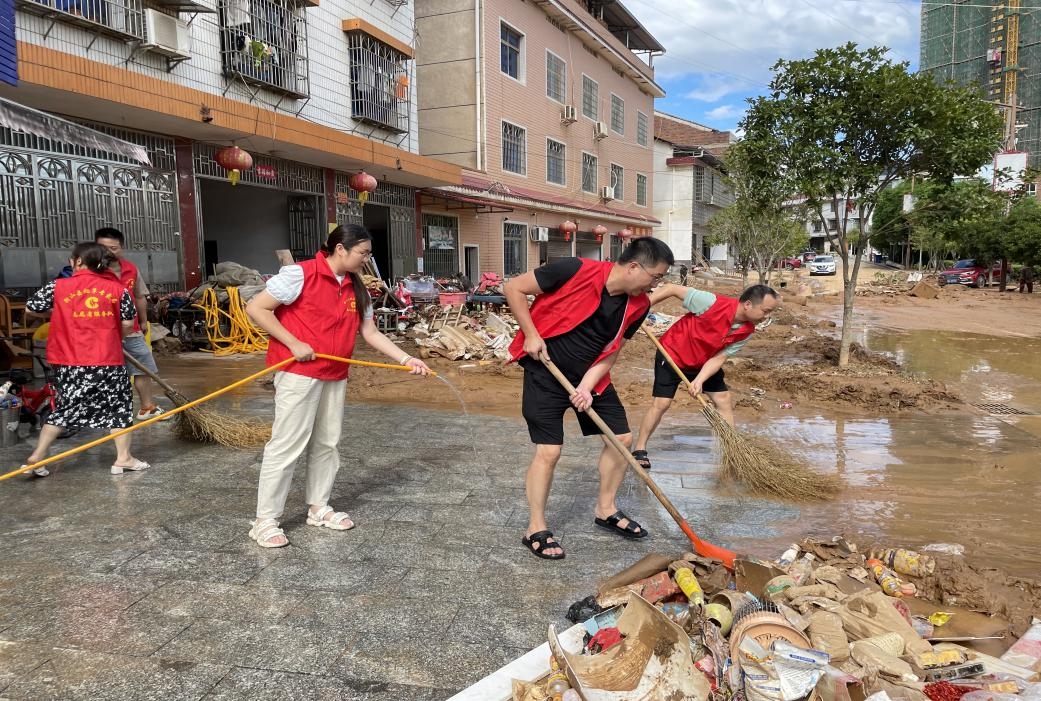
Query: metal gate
[
  {"x": 401, "y": 201},
  {"x": 305, "y": 226},
  {"x": 54, "y": 195},
  {"x": 440, "y": 245},
  {"x": 558, "y": 248}
]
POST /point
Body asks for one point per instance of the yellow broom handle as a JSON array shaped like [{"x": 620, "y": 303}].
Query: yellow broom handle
[
  {"x": 665, "y": 354},
  {"x": 191, "y": 404}
]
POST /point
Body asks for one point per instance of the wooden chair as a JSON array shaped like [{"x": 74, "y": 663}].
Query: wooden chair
[{"x": 20, "y": 333}]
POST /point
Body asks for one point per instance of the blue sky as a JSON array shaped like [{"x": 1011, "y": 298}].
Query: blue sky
[{"x": 719, "y": 52}]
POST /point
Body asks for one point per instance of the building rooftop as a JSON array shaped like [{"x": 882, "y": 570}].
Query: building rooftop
[{"x": 623, "y": 25}]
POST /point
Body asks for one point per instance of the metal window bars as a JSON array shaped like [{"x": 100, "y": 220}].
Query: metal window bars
[
  {"x": 590, "y": 97},
  {"x": 618, "y": 181},
  {"x": 514, "y": 249},
  {"x": 556, "y": 77},
  {"x": 641, "y": 129},
  {"x": 514, "y": 148},
  {"x": 121, "y": 18},
  {"x": 264, "y": 42},
  {"x": 588, "y": 173},
  {"x": 380, "y": 85},
  {"x": 617, "y": 114},
  {"x": 641, "y": 190},
  {"x": 555, "y": 151}
]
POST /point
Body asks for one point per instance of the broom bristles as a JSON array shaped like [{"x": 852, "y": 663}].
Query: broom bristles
[
  {"x": 763, "y": 469},
  {"x": 203, "y": 426}
]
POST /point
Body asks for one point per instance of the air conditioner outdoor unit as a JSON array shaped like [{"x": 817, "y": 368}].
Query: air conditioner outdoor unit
[
  {"x": 167, "y": 35},
  {"x": 569, "y": 115},
  {"x": 607, "y": 192},
  {"x": 540, "y": 234},
  {"x": 599, "y": 131}
]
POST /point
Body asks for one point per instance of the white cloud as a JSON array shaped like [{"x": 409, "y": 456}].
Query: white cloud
[
  {"x": 725, "y": 112},
  {"x": 728, "y": 46}
]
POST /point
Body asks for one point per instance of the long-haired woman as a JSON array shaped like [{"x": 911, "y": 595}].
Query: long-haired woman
[
  {"x": 91, "y": 312},
  {"x": 317, "y": 306}
]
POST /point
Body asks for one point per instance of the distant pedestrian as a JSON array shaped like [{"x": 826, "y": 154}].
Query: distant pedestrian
[
  {"x": 317, "y": 306},
  {"x": 134, "y": 344},
  {"x": 1026, "y": 279},
  {"x": 90, "y": 313}
]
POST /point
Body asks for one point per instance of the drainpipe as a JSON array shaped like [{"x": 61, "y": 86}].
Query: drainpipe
[{"x": 479, "y": 83}]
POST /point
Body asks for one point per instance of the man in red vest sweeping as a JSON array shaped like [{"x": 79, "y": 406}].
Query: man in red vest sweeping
[
  {"x": 134, "y": 343},
  {"x": 584, "y": 311},
  {"x": 714, "y": 328}
]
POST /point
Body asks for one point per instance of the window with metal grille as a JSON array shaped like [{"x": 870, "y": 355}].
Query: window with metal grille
[
  {"x": 510, "y": 44},
  {"x": 618, "y": 181},
  {"x": 120, "y": 18},
  {"x": 641, "y": 190},
  {"x": 514, "y": 148},
  {"x": 556, "y": 77},
  {"x": 642, "y": 129},
  {"x": 617, "y": 114},
  {"x": 380, "y": 92},
  {"x": 264, "y": 42},
  {"x": 588, "y": 173},
  {"x": 440, "y": 245},
  {"x": 555, "y": 160},
  {"x": 590, "y": 98},
  {"x": 514, "y": 249},
  {"x": 616, "y": 247}
]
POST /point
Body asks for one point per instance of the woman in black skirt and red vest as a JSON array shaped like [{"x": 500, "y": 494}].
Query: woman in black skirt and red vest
[{"x": 90, "y": 314}]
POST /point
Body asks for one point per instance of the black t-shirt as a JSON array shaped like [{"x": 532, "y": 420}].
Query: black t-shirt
[{"x": 575, "y": 351}]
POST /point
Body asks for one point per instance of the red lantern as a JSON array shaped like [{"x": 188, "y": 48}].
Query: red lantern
[
  {"x": 625, "y": 233},
  {"x": 599, "y": 230},
  {"x": 235, "y": 160},
  {"x": 567, "y": 227},
  {"x": 363, "y": 184}
]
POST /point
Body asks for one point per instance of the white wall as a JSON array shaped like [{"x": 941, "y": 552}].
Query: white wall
[
  {"x": 673, "y": 202},
  {"x": 329, "y": 68}
]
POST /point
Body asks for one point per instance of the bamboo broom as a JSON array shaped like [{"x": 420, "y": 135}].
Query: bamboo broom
[{"x": 755, "y": 463}]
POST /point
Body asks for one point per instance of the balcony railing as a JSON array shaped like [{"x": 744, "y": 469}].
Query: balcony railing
[
  {"x": 120, "y": 18},
  {"x": 380, "y": 92},
  {"x": 264, "y": 42}
]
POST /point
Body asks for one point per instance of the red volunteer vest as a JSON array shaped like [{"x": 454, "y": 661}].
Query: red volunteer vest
[
  {"x": 86, "y": 328},
  {"x": 556, "y": 313},
  {"x": 324, "y": 316},
  {"x": 128, "y": 274},
  {"x": 692, "y": 340}
]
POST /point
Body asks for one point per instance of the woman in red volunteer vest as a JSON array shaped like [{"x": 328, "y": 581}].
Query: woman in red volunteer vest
[
  {"x": 90, "y": 314},
  {"x": 584, "y": 310},
  {"x": 317, "y": 306},
  {"x": 714, "y": 328}
]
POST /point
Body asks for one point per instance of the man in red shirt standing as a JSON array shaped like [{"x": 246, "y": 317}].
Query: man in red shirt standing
[
  {"x": 584, "y": 310},
  {"x": 714, "y": 328},
  {"x": 134, "y": 343}
]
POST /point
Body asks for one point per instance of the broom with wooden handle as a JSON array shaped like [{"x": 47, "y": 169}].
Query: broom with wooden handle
[
  {"x": 759, "y": 466},
  {"x": 700, "y": 546}
]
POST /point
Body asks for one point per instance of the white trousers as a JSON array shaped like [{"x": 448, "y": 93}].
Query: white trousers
[{"x": 308, "y": 415}]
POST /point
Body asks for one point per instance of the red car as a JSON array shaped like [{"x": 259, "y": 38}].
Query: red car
[
  {"x": 789, "y": 263},
  {"x": 966, "y": 272}
]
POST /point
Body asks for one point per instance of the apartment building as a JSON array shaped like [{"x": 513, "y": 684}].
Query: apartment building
[
  {"x": 548, "y": 108},
  {"x": 314, "y": 91},
  {"x": 689, "y": 186}
]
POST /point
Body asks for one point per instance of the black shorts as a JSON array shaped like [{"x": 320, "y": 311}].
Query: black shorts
[
  {"x": 545, "y": 402},
  {"x": 666, "y": 382}
]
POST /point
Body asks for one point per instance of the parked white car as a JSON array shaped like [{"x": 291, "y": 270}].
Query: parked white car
[{"x": 822, "y": 265}]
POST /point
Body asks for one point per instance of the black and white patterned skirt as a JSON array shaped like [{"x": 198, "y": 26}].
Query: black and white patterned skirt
[{"x": 92, "y": 396}]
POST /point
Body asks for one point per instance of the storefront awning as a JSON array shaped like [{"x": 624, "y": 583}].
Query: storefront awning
[
  {"x": 454, "y": 200},
  {"x": 18, "y": 117}
]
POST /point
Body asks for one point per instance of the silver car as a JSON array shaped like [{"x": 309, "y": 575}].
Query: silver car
[{"x": 822, "y": 265}]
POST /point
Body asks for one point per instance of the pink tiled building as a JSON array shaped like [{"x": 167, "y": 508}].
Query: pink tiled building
[{"x": 548, "y": 107}]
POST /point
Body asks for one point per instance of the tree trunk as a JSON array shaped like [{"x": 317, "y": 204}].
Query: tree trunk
[
  {"x": 744, "y": 277},
  {"x": 849, "y": 289},
  {"x": 1004, "y": 274}
]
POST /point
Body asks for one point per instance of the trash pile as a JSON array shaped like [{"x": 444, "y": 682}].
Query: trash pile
[
  {"x": 449, "y": 333},
  {"x": 824, "y": 622}
]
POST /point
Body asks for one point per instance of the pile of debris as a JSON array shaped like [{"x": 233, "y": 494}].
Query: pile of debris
[
  {"x": 824, "y": 622},
  {"x": 449, "y": 333}
]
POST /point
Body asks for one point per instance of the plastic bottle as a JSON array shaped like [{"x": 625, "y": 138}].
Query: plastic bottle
[
  {"x": 689, "y": 584},
  {"x": 788, "y": 556},
  {"x": 558, "y": 684},
  {"x": 907, "y": 562},
  {"x": 802, "y": 570},
  {"x": 886, "y": 578}
]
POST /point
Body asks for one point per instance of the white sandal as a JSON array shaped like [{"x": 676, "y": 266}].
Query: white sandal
[
  {"x": 339, "y": 521},
  {"x": 136, "y": 467},
  {"x": 38, "y": 472},
  {"x": 266, "y": 530}
]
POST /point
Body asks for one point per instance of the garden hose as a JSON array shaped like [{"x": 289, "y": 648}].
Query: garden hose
[{"x": 243, "y": 336}]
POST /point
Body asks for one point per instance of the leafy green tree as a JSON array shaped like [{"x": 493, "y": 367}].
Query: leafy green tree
[
  {"x": 1024, "y": 232},
  {"x": 848, "y": 123}
]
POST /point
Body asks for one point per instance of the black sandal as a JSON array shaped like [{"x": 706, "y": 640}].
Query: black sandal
[
  {"x": 641, "y": 457},
  {"x": 542, "y": 539},
  {"x": 611, "y": 524}
]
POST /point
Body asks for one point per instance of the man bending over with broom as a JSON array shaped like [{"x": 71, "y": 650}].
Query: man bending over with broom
[
  {"x": 715, "y": 328},
  {"x": 584, "y": 310}
]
